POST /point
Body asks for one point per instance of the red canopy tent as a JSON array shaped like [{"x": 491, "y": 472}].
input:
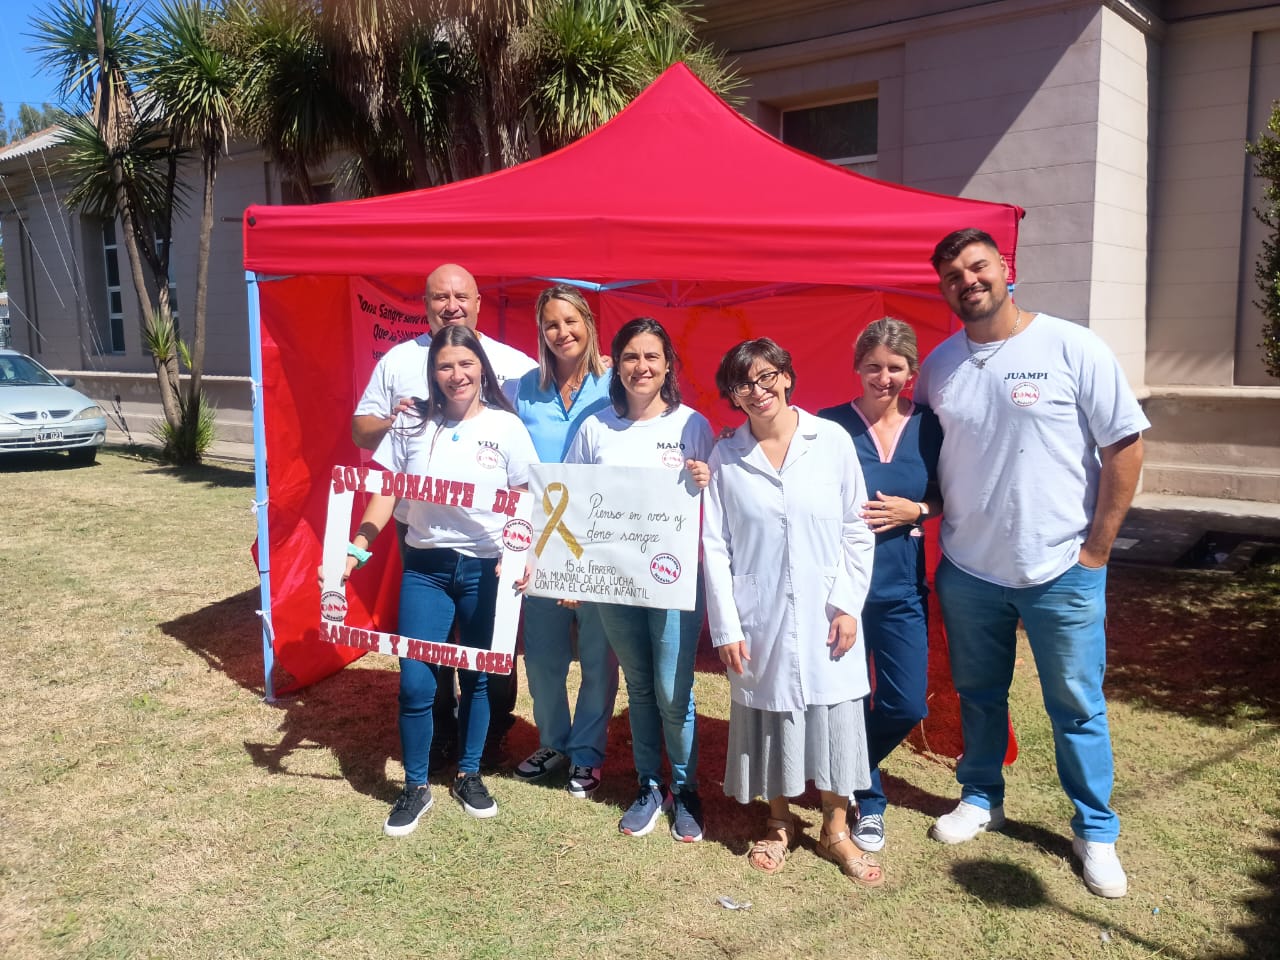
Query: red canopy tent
[{"x": 678, "y": 208}]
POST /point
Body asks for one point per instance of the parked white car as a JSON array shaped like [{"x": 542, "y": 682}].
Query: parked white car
[{"x": 39, "y": 412}]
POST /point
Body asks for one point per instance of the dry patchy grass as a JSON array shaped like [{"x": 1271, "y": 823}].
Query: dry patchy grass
[{"x": 152, "y": 805}]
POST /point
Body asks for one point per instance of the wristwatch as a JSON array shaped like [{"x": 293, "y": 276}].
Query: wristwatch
[{"x": 924, "y": 512}]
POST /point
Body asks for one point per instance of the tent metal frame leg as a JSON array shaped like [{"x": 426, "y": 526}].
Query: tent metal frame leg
[{"x": 260, "y": 492}]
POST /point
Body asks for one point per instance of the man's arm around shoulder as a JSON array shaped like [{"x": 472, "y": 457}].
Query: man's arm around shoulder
[
  {"x": 368, "y": 430},
  {"x": 1121, "y": 466}
]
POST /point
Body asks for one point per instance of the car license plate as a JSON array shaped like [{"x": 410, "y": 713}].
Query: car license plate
[{"x": 48, "y": 435}]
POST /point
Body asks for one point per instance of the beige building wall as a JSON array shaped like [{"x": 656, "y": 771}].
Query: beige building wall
[
  {"x": 65, "y": 260},
  {"x": 1118, "y": 247},
  {"x": 1214, "y": 410},
  {"x": 1119, "y": 126}
]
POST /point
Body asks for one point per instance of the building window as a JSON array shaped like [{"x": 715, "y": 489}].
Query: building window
[
  {"x": 115, "y": 300},
  {"x": 841, "y": 133}
]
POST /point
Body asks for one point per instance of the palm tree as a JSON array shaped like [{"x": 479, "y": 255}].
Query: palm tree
[
  {"x": 288, "y": 99},
  {"x": 591, "y": 57},
  {"x": 428, "y": 91},
  {"x": 195, "y": 83},
  {"x": 121, "y": 154}
]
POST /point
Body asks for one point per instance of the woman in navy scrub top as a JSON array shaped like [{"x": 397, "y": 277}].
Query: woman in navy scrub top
[{"x": 897, "y": 443}]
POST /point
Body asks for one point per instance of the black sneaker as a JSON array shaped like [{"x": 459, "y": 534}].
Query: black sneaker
[
  {"x": 412, "y": 803},
  {"x": 470, "y": 791},
  {"x": 642, "y": 815},
  {"x": 541, "y": 762},
  {"x": 686, "y": 820}
]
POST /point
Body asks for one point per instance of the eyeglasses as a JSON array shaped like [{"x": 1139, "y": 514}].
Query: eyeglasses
[{"x": 765, "y": 382}]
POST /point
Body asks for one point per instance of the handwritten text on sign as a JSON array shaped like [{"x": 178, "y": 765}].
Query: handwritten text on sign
[
  {"x": 615, "y": 535},
  {"x": 517, "y": 537}
]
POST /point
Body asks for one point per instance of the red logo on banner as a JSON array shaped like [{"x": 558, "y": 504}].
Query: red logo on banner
[
  {"x": 665, "y": 568},
  {"x": 517, "y": 535},
  {"x": 333, "y": 606}
]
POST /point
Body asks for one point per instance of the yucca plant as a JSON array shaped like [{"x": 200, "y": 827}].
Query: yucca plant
[{"x": 185, "y": 441}]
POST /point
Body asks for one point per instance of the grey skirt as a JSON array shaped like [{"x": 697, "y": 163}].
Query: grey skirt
[{"x": 774, "y": 754}]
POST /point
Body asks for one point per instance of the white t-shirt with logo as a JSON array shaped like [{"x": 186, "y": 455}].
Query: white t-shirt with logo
[
  {"x": 1019, "y": 464},
  {"x": 402, "y": 372},
  {"x": 491, "y": 449},
  {"x": 667, "y": 440}
]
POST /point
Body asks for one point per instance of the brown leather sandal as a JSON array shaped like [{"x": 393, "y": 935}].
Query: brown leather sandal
[
  {"x": 864, "y": 869},
  {"x": 772, "y": 854}
]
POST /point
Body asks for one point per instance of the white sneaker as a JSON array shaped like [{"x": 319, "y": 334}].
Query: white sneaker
[
  {"x": 1103, "y": 874},
  {"x": 965, "y": 822}
]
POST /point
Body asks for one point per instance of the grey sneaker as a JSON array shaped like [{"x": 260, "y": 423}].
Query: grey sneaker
[
  {"x": 965, "y": 822},
  {"x": 686, "y": 820},
  {"x": 583, "y": 781},
  {"x": 470, "y": 791},
  {"x": 541, "y": 762},
  {"x": 868, "y": 833},
  {"x": 412, "y": 803},
  {"x": 642, "y": 815}
]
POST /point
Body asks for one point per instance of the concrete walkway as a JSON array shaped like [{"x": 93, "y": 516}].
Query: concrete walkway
[{"x": 1161, "y": 529}]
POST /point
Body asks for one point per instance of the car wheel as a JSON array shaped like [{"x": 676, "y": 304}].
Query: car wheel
[{"x": 83, "y": 456}]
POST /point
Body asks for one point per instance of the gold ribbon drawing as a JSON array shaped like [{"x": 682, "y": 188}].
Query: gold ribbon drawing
[{"x": 554, "y": 523}]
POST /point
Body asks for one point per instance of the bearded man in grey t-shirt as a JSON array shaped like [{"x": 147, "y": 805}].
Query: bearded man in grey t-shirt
[{"x": 1041, "y": 452}]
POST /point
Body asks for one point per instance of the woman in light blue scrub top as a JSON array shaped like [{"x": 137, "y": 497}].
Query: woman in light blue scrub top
[{"x": 570, "y": 383}]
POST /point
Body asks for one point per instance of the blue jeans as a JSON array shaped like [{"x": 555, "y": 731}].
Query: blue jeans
[
  {"x": 546, "y": 665},
  {"x": 1065, "y": 623},
  {"x": 438, "y": 585},
  {"x": 656, "y": 649},
  {"x": 896, "y": 634}
]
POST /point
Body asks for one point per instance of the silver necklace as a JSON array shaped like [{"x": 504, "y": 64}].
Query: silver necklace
[{"x": 981, "y": 362}]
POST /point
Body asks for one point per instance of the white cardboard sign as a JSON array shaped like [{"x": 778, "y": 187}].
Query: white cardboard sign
[
  {"x": 625, "y": 535},
  {"x": 517, "y": 536}
]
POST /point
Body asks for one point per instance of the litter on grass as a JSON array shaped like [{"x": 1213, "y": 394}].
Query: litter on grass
[{"x": 731, "y": 904}]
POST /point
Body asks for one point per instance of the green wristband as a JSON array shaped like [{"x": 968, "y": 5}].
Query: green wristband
[{"x": 362, "y": 556}]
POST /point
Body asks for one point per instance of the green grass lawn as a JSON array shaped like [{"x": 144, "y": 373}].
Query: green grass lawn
[{"x": 152, "y": 805}]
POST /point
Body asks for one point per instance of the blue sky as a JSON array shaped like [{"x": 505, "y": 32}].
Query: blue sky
[{"x": 19, "y": 81}]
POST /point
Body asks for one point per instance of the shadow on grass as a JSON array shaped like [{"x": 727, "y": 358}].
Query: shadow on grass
[
  {"x": 1262, "y": 937},
  {"x": 1194, "y": 643},
  {"x": 225, "y": 635},
  {"x": 1009, "y": 886},
  {"x": 210, "y": 475},
  {"x": 52, "y": 460},
  {"x": 351, "y": 714}
]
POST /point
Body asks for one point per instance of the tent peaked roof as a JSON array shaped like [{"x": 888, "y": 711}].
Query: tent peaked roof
[{"x": 677, "y": 185}]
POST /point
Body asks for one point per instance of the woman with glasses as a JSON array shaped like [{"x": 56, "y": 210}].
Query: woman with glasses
[
  {"x": 570, "y": 383},
  {"x": 787, "y": 557},
  {"x": 647, "y": 426},
  {"x": 898, "y": 443}
]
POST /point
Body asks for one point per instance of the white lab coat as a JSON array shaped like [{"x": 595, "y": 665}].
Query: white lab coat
[{"x": 784, "y": 552}]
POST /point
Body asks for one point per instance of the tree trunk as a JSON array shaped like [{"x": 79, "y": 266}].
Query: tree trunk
[{"x": 210, "y": 165}]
